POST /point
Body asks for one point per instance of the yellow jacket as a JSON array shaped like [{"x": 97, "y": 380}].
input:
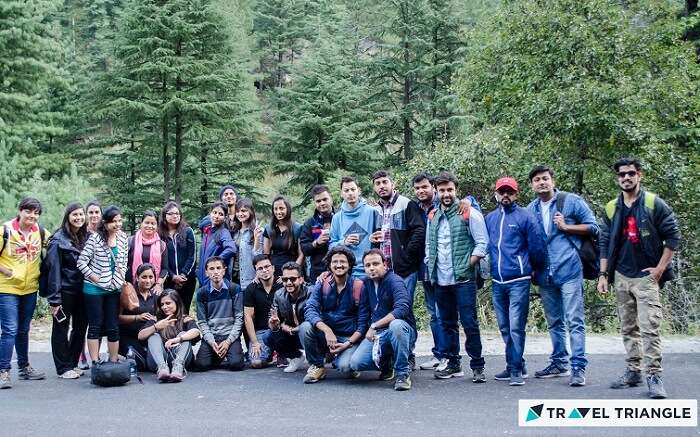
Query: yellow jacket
[{"x": 21, "y": 256}]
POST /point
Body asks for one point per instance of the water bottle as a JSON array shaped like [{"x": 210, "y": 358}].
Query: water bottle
[{"x": 131, "y": 359}]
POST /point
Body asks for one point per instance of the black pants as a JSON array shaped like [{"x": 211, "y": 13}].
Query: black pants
[
  {"x": 139, "y": 350},
  {"x": 68, "y": 336},
  {"x": 103, "y": 316},
  {"x": 208, "y": 359},
  {"x": 287, "y": 346},
  {"x": 186, "y": 292}
]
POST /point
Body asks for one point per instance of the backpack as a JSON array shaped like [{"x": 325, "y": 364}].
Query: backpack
[
  {"x": 6, "y": 236},
  {"x": 588, "y": 252},
  {"x": 611, "y": 207},
  {"x": 109, "y": 374},
  {"x": 356, "y": 289},
  {"x": 43, "y": 267}
]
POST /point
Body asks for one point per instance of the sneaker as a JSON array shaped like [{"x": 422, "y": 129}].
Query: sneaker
[
  {"x": 293, "y": 365},
  {"x": 178, "y": 373},
  {"x": 353, "y": 374},
  {"x": 387, "y": 374},
  {"x": 79, "y": 371},
  {"x": 5, "y": 381},
  {"x": 516, "y": 378},
  {"x": 631, "y": 378},
  {"x": 69, "y": 374},
  {"x": 448, "y": 372},
  {"x": 656, "y": 387},
  {"x": 443, "y": 364},
  {"x": 28, "y": 372},
  {"x": 403, "y": 383},
  {"x": 552, "y": 371},
  {"x": 502, "y": 376},
  {"x": 478, "y": 376},
  {"x": 163, "y": 373},
  {"x": 578, "y": 377},
  {"x": 83, "y": 365},
  {"x": 431, "y": 364},
  {"x": 314, "y": 374}
]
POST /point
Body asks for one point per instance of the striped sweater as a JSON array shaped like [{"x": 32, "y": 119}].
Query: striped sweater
[
  {"x": 220, "y": 312},
  {"x": 95, "y": 258}
]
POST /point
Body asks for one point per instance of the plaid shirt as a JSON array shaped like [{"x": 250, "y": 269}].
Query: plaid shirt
[{"x": 386, "y": 209}]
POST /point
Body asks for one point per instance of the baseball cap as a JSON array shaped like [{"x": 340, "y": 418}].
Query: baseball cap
[{"x": 507, "y": 182}]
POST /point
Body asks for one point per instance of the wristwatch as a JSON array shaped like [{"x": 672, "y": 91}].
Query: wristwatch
[
  {"x": 603, "y": 274},
  {"x": 373, "y": 326}
]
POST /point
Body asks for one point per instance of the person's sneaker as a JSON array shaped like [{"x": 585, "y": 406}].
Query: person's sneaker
[
  {"x": 28, "y": 372},
  {"x": 552, "y": 371},
  {"x": 386, "y": 374},
  {"x": 516, "y": 378},
  {"x": 79, "y": 371},
  {"x": 69, "y": 374},
  {"x": 293, "y": 365},
  {"x": 5, "y": 381},
  {"x": 178, "y": 373},
  {"x": 402, "y": 383},
  {"x": 578, "y": 377},
  {"x": 524, "y": 372},
  {"x": 656, "y": 387},
  {"x": 502, "y": 376},
  {"x": 431, "y": 364},
  {"x": 314, "y": 374},
  {"x": 478, "y": 376},
  {"x": 163, "y": 373},
  {"x": 353, "y": 374},
  {"x": 631, "y": 378},
  {"x": 83, "y": 365},
  {"x": 412, "y": 362},
  {"x": 448, "y": 372}
]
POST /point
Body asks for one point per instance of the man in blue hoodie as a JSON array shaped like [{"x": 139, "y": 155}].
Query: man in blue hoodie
[
  {"x": 515, "y": 245},
  {"x": 353, "y": 225}
]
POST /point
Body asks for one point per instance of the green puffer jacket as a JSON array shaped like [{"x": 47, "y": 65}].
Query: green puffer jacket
[{"x": 462, "y": 244}]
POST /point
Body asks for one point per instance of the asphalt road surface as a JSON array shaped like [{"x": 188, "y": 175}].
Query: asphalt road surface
[{"x": 269, "y": 402}]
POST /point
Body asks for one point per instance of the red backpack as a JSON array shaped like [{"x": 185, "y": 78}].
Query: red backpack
[{"x": 356, "y": 289}]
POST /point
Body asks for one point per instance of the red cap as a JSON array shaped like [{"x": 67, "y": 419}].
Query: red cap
[{"x": 507, "y": 182}]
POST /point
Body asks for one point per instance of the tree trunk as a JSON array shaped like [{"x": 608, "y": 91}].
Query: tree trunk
[
  {"x": 164, "y": 142},
  {"x": 132, "y": 179},
  {"x": 204, "y": 186},
  {"x": 407, "y": 130},
  {"x": 179, "y": 130}
]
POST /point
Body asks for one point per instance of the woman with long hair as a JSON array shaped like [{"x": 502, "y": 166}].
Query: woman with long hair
[
  {"x": 179, "y": 237},
  {"x": 132, "y": 321},
  {"x": 65, "y": 291},
  {"x": 281, "y": 236},
  {"x": 216, "y": 241},
  {"x": 103, "y": 263},
  {"x": 146, "y": 246},
  {"x": 170, "y": 338},
  {"x": 248, "y": 237},
  {"x": 93, "y": 212}
]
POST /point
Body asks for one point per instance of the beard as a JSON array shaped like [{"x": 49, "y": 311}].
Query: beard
[{"x": 630, "y": 188}]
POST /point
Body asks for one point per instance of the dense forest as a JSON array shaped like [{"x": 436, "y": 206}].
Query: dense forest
[{"x": 134, "y": 102}]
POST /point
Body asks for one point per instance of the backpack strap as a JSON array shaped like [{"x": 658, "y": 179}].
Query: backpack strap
[
  {"x": 561, "y": 200},
  {"x": 357, "y": 291},
  {"x": 649, "y": 199},
  {"x": 611, "y": 207},
  {"x": 431, "y": 214},
  {"x": 42, "y": 237}
]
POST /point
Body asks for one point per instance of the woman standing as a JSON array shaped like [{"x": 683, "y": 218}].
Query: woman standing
[
  {"x": 248, "y": 237},
  {"x": 170, "y": 338},
  {"x": 179, "y": 238},
  {"x": 65, "y": 291},
  {"x": 146, "y": 246},
  {"x": 281, "y": 236},
  {"x": 93, "y": 211},
  {"x": 103, "y": 262},
  {"x": 216, "y": 241},
  {"x": 22, "y": 243},
  {"x": 132, "y": 321}
]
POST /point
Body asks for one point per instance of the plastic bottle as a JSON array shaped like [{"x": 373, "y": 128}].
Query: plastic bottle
[{"x": 131, "y": 358}]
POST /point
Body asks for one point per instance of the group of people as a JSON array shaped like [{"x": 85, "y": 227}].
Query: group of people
[{"x": 338, "y": 290}]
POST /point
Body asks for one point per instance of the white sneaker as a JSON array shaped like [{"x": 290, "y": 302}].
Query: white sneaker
[
  {"x": 443, "y": 364},
  {"x": 69, "y": 374},
  {"x": 430, "y": 364},
  {"x": 293, "y": 365}
]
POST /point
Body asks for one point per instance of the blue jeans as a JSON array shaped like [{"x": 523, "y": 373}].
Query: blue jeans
[
  {"x": 315, "y": 346},
  {"x": 512, "y": 302},
  {"x": 431, "y": 306},
  {"x": 458, "y": 302},
  {"x": 395, "y": 342},
  {"x": 15, "y": 318},
  {"x": 410, "y": 282},
  {"x": 563, "y": 308},
  {"x": 264, "y": 338}
]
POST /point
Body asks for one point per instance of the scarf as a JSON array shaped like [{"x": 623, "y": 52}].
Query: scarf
[{"x": 153, "y": 256}]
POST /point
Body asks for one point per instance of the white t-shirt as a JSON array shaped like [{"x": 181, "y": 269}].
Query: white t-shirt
[{"x": 546, "y": 220}]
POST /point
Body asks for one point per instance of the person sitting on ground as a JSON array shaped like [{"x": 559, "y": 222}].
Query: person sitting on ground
[
  {"x": 257, "y": 302},
  {"x": 169, "y": 338},
  {"x": 220, "y": 320},
  {"x": 332, "y": 317},
  {"x": 287, "y": 315},
  {"x": 132, "y": 321}
]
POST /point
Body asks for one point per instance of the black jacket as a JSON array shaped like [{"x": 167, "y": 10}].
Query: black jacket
[
  {"x": 62, "y": 270},
  {"x": 285, "y": 306},
  {"x": 658, "y": 228},
  {"x": 407, "y": 235},
  {"x": 309, "y": 233}
]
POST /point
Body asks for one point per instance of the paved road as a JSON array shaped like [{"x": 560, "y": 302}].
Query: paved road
[{"x": 269, "y": 402}]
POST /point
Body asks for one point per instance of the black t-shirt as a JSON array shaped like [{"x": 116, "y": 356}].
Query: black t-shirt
[
  {"x": 281, "y": 249},
  {"x": 147, "y": 305},
  {"x": 257, "y": 298},
  {"x": 631, "y": 260}
]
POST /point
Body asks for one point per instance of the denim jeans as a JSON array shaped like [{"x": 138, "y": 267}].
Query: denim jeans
[
  {"x": 264, "y": 339},
  {"x": 315, "y": 347},
  {"x": 563, "y": 308},
  {"x": 15, "y": 318},
  {"x": 511, "y": 302},
  {"x": 158, "y": 354},
  {"x": 458, "y": 302},
  {"x": 410, "y": 282},
  {"x": 395, "y": 342},
  {"x": 431, "y": 306}
]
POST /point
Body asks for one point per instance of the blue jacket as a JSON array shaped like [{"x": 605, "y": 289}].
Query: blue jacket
[
  {"x": 516, "y": 247},
  {"x": 390, "y": 297},
  {"x": 339, "y": 311},
  {"x": 362, "y": 220},
  {"x": 215, "y": 242},
  {"x": 563, "y": 263}
]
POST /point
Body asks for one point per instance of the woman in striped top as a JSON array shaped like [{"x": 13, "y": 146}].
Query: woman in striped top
[{"x": 103, "y": 262}]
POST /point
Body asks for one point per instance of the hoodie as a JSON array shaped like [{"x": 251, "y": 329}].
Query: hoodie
[{"x": 362, "y": 220}]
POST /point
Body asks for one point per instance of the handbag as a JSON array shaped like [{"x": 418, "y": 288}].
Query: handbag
[
  {"x": 128, "y": 299},
  {"x": 588, "y": 252},
  {"x": 110, "y": 374}
]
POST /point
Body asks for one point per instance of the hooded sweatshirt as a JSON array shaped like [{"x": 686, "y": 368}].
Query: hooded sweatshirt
[
  {"x": 362, "y": 220},
  {"x": 22, "y": 256}
]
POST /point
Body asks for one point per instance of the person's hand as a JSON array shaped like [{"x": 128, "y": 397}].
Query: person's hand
[
  {"x": 463, "y": 206},
  {"x": 94, "y": 278},
  {"x": 144, "y": 317},
  {"x": 255, "y": 349},
  {"x": 274, "y": 319},
  {"x": 162, "y": 324},
  {"x": 339, "y": 348},
  {"x": 7, "y": 272},
  {"x": 352, "y": 240},
  {"x": 602, "y": 284},
  {"x": 370, "y": 334},
  {"x": 173, "y": 342},
  {"x": 322, "y": 277},
  {"x": 324, "y": 238},
  {"x": 559, "y": 221},
  {"x": 654, "y": 272},
  {"x": 55, "y": 310},
  {"x": 223, "y": 348},
  {"x": 376, "y": 237},
  {"x": 157, "y": 289},
  {"x": 331, "y": 339}
]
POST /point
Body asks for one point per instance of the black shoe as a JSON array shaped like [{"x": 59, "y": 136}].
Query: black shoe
[
  {"x": 552, "y": 371},
  {"x": 656, "y": 387},
  {"x": 448, "y": 372},
  {"x": 386, "y": 374},
  {"x": 502, "y": 376},
  {"x": 478, "y": 376},
  {"x": 578, "y": 377},
  {"x": 402, "y": 383},
  {"x": 631, "y": 378}
]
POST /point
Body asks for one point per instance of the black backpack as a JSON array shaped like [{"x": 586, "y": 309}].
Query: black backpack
[
  {"x": 588, "y": 253},
  {"x": 109, "y": 374}
]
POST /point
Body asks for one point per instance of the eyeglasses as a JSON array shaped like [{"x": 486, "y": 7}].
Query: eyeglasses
[
  {"x": 631, "y": 173},
  {"x": 261, "y": 268},
  {"x": 172, "y": 213},
  {"x": 289, "y": 279}
]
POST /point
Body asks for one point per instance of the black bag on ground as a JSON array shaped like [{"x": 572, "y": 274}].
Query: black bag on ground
[
  {"x": 588, "y": 253},
  {"x": 110, "y": 374}
]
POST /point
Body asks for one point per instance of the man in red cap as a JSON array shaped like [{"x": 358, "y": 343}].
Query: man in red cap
[{"x": 516, "y": 249}]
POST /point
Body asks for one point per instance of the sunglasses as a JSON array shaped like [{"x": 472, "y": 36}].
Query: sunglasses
[
  {"x": 631, "y": 173},
  {"x": 508, "y": 191},
  {"x": 289, "y": 279}
]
